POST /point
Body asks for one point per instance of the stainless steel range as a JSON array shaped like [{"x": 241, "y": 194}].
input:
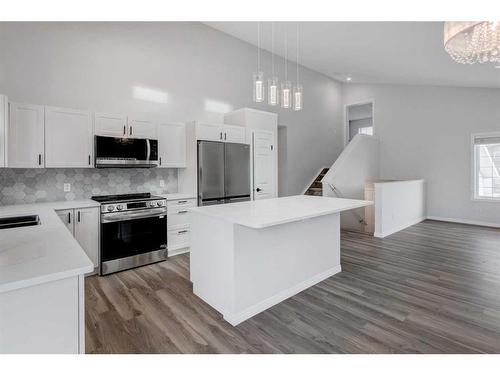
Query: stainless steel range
[{"x": 133, "y": 231}]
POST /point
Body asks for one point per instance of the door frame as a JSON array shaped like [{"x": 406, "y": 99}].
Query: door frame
[{"x": 346, "y": 119}]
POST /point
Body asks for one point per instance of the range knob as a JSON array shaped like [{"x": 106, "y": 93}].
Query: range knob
[
  {"x": 110, "y": 208},
  {"x": 119, "y": 207},
  {"x": 159, "y": 203},
  {"x": 151, "y": 204}
]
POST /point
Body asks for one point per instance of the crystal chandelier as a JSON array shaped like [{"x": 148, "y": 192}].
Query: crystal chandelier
[{"x": 473, "y": 42}]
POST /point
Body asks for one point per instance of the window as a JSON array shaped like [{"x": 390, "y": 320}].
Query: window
[
  {"x": 487, "y": 166},
  {"x": 366, "y": 130}
]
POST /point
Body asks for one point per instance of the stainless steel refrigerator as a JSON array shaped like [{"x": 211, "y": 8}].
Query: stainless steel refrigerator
[{"x": 223, "y": 173}]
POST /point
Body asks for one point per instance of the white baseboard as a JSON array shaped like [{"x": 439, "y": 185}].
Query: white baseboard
[
  {"x": 179, "y": 251},
  {"x": 399, "y": 228},
  {"x": 464, "y": 221},
  {"x": 240, "y": 317}
]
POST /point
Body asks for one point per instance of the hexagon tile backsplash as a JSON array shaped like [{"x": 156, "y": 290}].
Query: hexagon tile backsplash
[{"x": 19, "y": 186}]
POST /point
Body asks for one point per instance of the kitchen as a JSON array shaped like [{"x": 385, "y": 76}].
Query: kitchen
[{"x": 190, "y": 188}]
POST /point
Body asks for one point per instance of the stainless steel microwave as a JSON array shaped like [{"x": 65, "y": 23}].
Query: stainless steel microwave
[{"x": 111, "y": 152}]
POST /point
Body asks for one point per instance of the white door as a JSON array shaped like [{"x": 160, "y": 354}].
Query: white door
[
  {"x": 209, "y": 132},
  {"x": 25, "y": 144},
  {"x": 234, "y": 134},
  {"x": 141, "y": 129},
  {"x": 87, "y": 231},
  {"x": 68, "y": 138},
  {"x": 110, "y": 125},
  {"x": 172, "y": 146},
  {"x": 67, "y": 217},
  {"x": 4, "y": 111},
  {"x": 264, "y": 161}
]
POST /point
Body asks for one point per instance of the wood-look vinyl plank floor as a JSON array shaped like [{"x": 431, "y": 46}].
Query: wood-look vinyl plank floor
[{"x": 431, "y": 288}]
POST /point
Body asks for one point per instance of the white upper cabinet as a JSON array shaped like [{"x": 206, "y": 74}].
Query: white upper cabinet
[
  {"x": 4, "y": 112},
  {"x": 25, "y": 144},
  {"x": 138, "y": 128},
  {"x": 234, "y": 134},
  {"x": 172, "y": 146},
  {"x": 110, "y": 125},
  {"x": 68, "y": 138},
  {"x": 220, "y": 133}
]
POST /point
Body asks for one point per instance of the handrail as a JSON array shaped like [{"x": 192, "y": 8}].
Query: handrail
[{"x": 339, "y": 194}]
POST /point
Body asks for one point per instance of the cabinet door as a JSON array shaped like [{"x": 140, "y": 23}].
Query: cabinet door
[
  {"x": 68, "y": 138},
  {"x": 25, "y": 136},
  {"x": 87, "y": 231},
  {"x": 4, "y": 111},
  {"x": 67, "y": 217},
  {"x": 234, "y": 134},
  {"x": 110, "y": 125},
  {"x": 172, "y": 145},
  {"x": 209, "y": 132},
  {"x": 141, "y": 128}
]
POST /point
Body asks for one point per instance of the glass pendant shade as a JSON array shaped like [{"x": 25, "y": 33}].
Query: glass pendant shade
[
  {"x": 272, "y": 91},
  {"x": 258, "y": 87},
  {"x": 297, "y": 97},
  {"x": 286, "y": 94}
]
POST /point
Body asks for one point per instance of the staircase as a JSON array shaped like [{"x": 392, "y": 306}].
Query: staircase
[{"x": 316, "y": 187}]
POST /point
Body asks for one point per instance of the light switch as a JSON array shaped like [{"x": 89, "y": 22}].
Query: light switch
[
  {"x": 67, "y": 187},
  {"x": 162, "y": 183}
]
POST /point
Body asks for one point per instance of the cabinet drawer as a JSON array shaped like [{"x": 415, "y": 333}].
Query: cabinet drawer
[
  {"x": 178, "y": 238},
  {"x": 178, "y": 217},
  {"x": 181, "y": 203}
]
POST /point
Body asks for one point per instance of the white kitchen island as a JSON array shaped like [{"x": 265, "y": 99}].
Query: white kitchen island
[{"x": 246, "y": 257}]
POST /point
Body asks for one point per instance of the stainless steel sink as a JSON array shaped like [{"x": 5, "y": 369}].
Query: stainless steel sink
[{"x": 19, "y": 221}]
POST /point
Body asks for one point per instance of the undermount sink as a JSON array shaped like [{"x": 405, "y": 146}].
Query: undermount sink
[{"x": 19, "y": 221}]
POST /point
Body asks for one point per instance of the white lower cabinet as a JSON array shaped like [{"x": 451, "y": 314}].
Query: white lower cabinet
[
  {"x": 48, "y": 318},
  {"x": 178, "y": 225},
  {"x": 83, "y": 223}
]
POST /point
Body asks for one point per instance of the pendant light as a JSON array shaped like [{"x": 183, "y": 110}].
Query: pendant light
[
  {"x": 272, "y": 83},
  {"x": 297, "y": 89},
  {"x": 258, "y": 77},
  {"x": 286, "y": 86}
]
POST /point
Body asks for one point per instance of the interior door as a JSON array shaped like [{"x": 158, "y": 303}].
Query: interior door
[
  {"x": 264, "y": 158},
  {"x": 68, "y": 138},
  {"x": 210, "y": 171},
  {"x": 237, "y": 170}
]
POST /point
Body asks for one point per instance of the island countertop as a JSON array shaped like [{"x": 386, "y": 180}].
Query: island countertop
[
  {"x": 42, "y": 253},
  {"x": 269, "y": 212}
]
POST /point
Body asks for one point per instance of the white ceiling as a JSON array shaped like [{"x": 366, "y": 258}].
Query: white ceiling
[{"x": 370, "y": 52}]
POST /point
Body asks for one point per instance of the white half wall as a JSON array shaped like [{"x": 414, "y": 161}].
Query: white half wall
[
  {"x": 358, "y": 163},
  {"x": 426, "y": 132},
  {"x": 398, "y": 205},
  {"x": 173, "y": 71}
]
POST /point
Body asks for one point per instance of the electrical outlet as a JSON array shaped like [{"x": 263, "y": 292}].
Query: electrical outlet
[
  {"x": 162, "y": 183},
  {"x": 67, "y": 187}
]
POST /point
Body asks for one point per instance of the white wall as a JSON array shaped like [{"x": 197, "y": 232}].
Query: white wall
[
  {"x": 200, "y": 71},
  {"x": 425, "y": 132},
  {"x": 357, "y": 164}
]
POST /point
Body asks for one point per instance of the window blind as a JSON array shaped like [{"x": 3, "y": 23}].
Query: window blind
[{"x": 486, "y": 140}]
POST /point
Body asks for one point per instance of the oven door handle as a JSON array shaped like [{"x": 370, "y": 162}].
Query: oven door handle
[{"x": 122, "y": 216}]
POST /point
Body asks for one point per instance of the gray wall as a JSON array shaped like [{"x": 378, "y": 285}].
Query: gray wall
[
  {"x": 426, "y": 132},
  {"x": 96, "y": 66}
]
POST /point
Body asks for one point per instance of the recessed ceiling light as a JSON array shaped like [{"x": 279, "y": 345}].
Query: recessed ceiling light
[{"x": 348, "y": 79}]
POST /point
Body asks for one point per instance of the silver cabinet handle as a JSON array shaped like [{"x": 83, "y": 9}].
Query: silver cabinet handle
[
  {"x": 182, "y": 231},
  {"x": 79, "y": 217},
  {"x": 160, "y": 160},
  {"x": 130, "y": 129},
  {"x": 89, "y": 159},
  {"x": 124, "y": 129},
  {"x": 221, "y": 136},
  {"x": 69, "y": 217},
  {"x": 182, "y": 212},
  {"x": 181, "y": 202},
  {"x": 39, "y": 159},
  {"x": 225, "y": 136}
]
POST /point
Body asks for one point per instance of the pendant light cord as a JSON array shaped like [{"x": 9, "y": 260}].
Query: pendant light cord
[
  {"x": 258, "y": 47},
  {"x": 297, "y": 53},
  {"x": 272, "y": 49},
  {"x": 286, "y": 53}
]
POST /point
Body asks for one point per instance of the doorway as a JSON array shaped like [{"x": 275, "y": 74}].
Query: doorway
[{"x": 358, "y": 120}]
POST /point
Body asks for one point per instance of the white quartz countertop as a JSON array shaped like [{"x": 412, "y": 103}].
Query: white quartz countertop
[
  {"x": 42, "y": 253},
  {"x": 177, "y": 196},
  {"x": 265, "y": 213}
]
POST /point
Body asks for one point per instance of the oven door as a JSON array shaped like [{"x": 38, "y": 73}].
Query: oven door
[{"x": 131, "y": 239}]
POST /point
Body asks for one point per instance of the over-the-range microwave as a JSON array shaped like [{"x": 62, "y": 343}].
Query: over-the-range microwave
[{"x": 112, "y": 152}]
